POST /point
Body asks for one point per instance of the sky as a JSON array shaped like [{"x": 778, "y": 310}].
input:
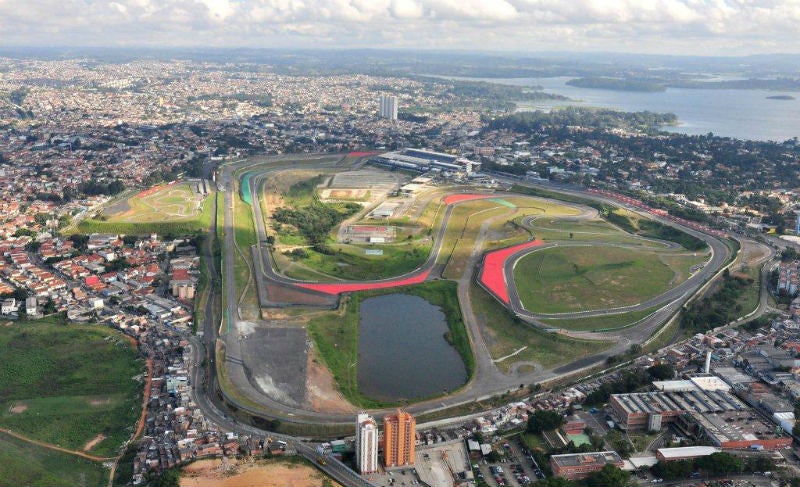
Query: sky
[{"x": 695, "y": 27}]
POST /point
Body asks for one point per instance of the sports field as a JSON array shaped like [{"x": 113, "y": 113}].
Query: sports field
[
  {"x": 564, "y": 279},
  {"x": 69, "y": 385},
  {"x": 170, "y": 208}
]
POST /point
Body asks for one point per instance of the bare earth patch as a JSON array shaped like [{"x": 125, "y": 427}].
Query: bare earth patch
[
  {"x": 94, "y": 441},
  {"x": 212, "y": 473},
  {"x": 18, "y": 408},
  {"x": 321, "y": 392}
]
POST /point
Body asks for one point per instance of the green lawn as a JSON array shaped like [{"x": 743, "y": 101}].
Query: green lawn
[
  {"x": 245, "y": 236},
  {"x": 66, "y": 384},
  {"x": 335, "y": 334},
  {"x": 564, "y": 279},
  {"x": 505, "y": 334},
  {"x": 600, "y": 323},
  {"x": 350, "y": 261},
  {"x": 24, "y": 464}
]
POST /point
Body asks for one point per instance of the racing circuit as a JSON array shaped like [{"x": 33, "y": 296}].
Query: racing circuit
[{"x": 493, "y": 270}]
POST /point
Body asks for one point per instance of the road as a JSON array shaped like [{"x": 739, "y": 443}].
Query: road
[
  {"x": 203, "y": 368},
  {"x": 488, "y": 380}
]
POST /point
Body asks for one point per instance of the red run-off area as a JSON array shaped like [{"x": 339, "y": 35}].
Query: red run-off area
[
  {"x": 492, "y": 276},
  {"x": 366, "y": 286}
]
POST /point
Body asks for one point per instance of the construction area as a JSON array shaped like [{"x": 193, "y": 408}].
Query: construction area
[
  {"x": 369, "y": 185},
  {"x": 443, "y": 465}
]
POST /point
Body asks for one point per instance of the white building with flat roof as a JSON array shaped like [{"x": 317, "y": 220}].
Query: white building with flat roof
[
  {"x": 388, "y": 107},
  {"x": 685, "y": 452},
  {"x": 366, "y": 444}
]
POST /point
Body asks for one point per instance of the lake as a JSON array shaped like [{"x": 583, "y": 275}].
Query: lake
[
  {"x": 402, "y": 353},
  {"x": 744, "y": 114}
]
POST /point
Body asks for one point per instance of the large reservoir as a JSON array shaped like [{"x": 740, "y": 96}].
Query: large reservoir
[
  {"x": 744, "y": 114},
  {"x": 402, "y": 350}
]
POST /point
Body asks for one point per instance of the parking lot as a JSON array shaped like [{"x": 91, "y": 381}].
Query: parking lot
[
  {"x": 395, "y": 477},
  {"x": 516, "y": 469}
]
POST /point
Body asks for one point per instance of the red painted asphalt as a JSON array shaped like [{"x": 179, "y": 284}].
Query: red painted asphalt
[
  {"x": 458, "y": 198},
  {"x": 492, "y": 275},
  {"x": 337, "y": 288}
]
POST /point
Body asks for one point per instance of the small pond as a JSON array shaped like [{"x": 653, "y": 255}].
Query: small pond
[{"x": 402, "y": 350}]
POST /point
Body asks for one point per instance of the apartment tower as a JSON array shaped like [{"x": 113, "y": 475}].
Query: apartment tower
[
  {"x": 366, "y": 444},
  {"x": 399, "y": 439},
  {"x": 389, "y": 107}
]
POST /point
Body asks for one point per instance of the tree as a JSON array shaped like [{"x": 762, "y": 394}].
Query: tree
[
  {"x": 662, "y": 371},
  {"x": 609, "y": 476},
  {"x": 677, "y": 469},
  {"x": 554, "y": 482},
  {"x": 543, "y": 420},
  {"x": 720, "y": 463}
]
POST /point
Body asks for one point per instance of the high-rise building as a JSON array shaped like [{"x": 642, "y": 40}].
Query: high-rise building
[
  {"x": 366, "y": 444},
  {"x": 399, "y": 439},
  {"x": 389, "y": 107}
]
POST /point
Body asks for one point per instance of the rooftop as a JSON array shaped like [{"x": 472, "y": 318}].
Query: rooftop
[
  {"x": 693, "y": 400},
  {"x": 735, "y": 426},
  {"x": 687, "y": 451},
  {"x": 575, "y": 459}
]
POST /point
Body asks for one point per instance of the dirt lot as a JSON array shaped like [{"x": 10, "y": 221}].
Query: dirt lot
[
  {"x": 212, "y": 473},
  {"x": 321, "y": 392}
]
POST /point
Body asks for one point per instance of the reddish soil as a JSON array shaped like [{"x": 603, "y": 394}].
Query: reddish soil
[
  {"x": 233, "y": 473},
  {"x": 145, "y": 399},
  {"x": 94, "y": 441}
]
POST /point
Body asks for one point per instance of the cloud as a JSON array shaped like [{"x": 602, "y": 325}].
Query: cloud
[{"x": 677, "y": 26}]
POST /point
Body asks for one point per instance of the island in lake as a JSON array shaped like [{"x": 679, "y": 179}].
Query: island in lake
[
  {"x": 616, "y": 84},
  {"x": 780, "y": 97}
]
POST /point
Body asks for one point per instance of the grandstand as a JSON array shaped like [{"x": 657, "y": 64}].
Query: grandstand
[{"x": 423, "y": 160}]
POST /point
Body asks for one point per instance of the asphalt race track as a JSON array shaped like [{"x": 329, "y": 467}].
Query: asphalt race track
[{"x": 487, "y": 380}]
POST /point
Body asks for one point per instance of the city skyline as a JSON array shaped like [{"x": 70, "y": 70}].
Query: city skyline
[{"x": 664, "y": 27}]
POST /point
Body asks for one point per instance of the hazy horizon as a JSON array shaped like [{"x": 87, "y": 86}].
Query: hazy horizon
[{"x": 665, "y": 27}]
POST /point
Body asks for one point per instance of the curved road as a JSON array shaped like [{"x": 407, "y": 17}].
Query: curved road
[{"x": 487, "y": 380}]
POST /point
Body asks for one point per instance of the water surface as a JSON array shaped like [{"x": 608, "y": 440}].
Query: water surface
[
  {"x": 402, "y": 352},
  {"x": 744, "y": 114}
]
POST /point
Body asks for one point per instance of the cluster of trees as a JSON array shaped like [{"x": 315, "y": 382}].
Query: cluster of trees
[
  {"x": 609, "y": 476},
  {"x": 93, "y": 187},
  {"x": 316, "y": 221},
  {"x": 650, "y": 228},
  {"x": 718, "y": 309},
  {"x": 543, "y": 420},
  {"x": 601, "y": 119},
  {"x": 616, "y": 84},
  {"x": 715, "y": 464},
  {"x": 629, "y": 381}
]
